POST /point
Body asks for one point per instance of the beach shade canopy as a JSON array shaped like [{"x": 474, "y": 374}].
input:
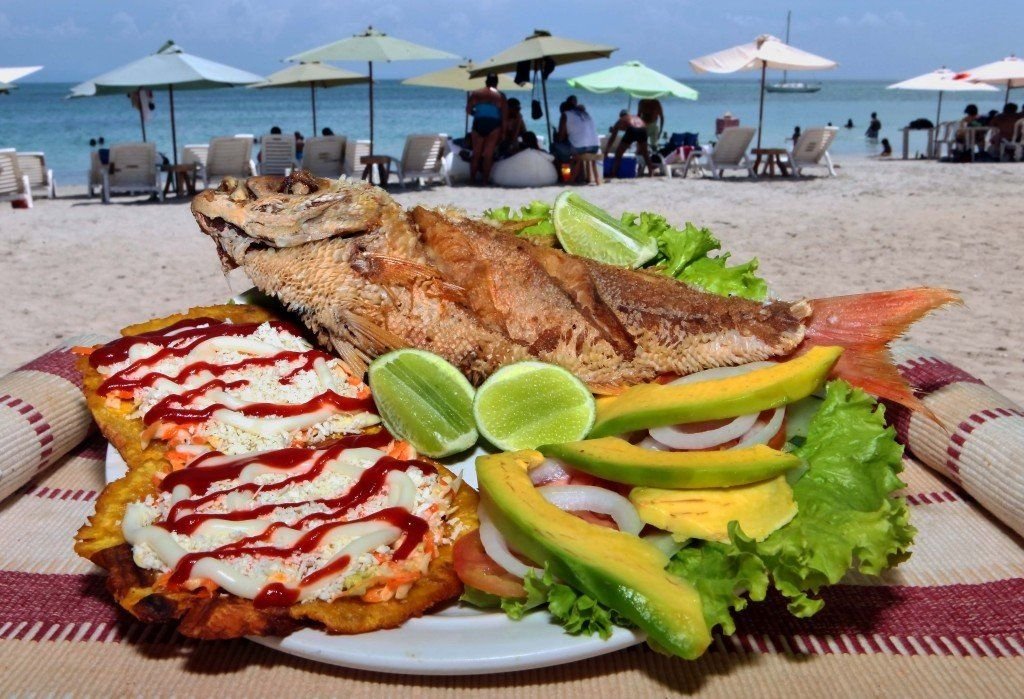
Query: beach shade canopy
[
  {"x": 459, "y": 78},
  {"x": 170, "y": 67},
  {"x": 312, "y": 75},
  {"x": 371, "y": 46},
  {"x": 636, "y": 80},
  {"x": 9, "y": 75},
  {"x": 764, "y": 52},
  {"x": 942, "y": 80},
  {"x": 1008, "y": 72},
  {"x": 538, "y": 49}
]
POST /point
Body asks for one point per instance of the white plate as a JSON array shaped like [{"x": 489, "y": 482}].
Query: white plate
[{"x": 458, "y": 640}]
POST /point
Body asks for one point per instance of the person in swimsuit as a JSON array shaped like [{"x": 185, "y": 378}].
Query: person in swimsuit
[
  {"x": 653, "y": 114},
  {"x": 515, "y": 127},
  {"x": 634, "y": 130},
  {"x": 489, "y": 110}
]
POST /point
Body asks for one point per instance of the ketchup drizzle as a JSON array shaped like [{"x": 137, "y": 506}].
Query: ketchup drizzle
[{"x": 327, "y": 399}]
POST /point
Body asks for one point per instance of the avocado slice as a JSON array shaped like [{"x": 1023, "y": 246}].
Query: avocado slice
[
  {"x": 619, "y": 570},
  {"x": 653, "y": 405},
  {"x": 617, "y": 460},
  {"x": 760, "y": 509}
]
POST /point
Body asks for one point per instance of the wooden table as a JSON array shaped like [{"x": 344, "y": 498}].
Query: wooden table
[
  {"x": 772, "y": 159},
  {"x": 383, "y": 163},
  {"x": 929, "y": 148},
  {"x": 184, "y": 177}
]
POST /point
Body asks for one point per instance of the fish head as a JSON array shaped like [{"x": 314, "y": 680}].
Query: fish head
[{"x": 285, "y": 211}]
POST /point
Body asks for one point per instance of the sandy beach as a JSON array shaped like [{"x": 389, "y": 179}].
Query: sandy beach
[{"x": 74, "y": 265}]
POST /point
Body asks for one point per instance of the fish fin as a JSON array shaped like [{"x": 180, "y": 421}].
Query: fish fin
[
  {"x": 371, "y": 336},
  {"x": 864, "y": 325},
  {"x": 386, "y": 270}
]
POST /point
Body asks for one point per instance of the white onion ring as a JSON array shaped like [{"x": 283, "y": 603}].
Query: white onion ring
[
  {"x": 550, "y": 470},
  {"x": 664, "y": 542},
  {"x": 762, "y": 434},
  {"x": 675, "y": 438},
  {"x": 594, "y": 499},
  {"x": 722, "y": 372},
  {"x": 497, "y": 548},
  {"x": 650, "y": 442}
]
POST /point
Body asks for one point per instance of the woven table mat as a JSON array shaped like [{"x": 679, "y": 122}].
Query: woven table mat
[{"x": 948, "y": 622}]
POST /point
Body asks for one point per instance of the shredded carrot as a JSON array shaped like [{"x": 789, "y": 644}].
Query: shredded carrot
[
  {"x": 400, "y": 450},
  {"x": 378, "y": 594},
  {"x": 178, "y": 459},
  {"x": 82, "y": 351}
]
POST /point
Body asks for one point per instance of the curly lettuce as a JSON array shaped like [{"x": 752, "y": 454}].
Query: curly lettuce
[{"x": 537, "y": 211}]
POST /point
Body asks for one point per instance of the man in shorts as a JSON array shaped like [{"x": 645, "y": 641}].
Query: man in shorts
[{"x": 634, "y": 130}]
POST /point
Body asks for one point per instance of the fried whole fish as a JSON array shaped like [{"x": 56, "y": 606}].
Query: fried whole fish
[{"x": 367, "y": 276}]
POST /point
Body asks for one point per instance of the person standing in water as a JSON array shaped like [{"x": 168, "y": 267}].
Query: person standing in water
[
  {"x": 489, "y": 110},
  {"x": 874, "y": 127}
]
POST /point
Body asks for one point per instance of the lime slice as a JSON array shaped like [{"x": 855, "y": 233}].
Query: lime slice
[
  {"x": 527, "y": 404},
  {"x": 424, "y": 400},
  {"x": 588, "y": 231}
]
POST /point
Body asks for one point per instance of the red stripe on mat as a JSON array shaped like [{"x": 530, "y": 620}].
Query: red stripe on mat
[{"x": 58, "y": 362}]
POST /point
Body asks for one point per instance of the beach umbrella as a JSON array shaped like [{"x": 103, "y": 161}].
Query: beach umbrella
[
  {"x": 313, "y": 74},
  {"x": 542, "y": 52},
  {"x": 636, "y": 80},
  {"x": 459, "y": 78},
  {"x": 1008, "y": 72},
  {"x": 9, "y": 75},
  {"x": 764, "y": 52},
  {"x": 170, "y": 67},
  {"x": 942, "y": 80},
  {"x": 371, "y": 46}
]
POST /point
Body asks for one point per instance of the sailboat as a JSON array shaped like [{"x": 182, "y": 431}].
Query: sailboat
[{"x": 786, "y": 85}]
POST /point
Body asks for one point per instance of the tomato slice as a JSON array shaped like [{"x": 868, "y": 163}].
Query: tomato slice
[{"x": 476, "y": 569}]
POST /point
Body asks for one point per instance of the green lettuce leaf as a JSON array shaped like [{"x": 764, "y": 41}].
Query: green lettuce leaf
[
  {"x": 683, "y": 254},
  {"x": 538, "y": 210},
  {"x": 725, "y": 578},
  {"x": 847, "y": 517}
]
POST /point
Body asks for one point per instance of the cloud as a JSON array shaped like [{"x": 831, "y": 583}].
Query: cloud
[{"x": 125, "y": 24}]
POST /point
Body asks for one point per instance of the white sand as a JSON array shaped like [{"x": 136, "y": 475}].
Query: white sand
[{"x": 74, "y": 265}]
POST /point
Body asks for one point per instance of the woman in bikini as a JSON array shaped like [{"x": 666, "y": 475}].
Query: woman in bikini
[{"x": 488, "y": 108}]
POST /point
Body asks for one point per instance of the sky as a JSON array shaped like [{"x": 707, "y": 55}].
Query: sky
[{"x": 78, "y": 39}]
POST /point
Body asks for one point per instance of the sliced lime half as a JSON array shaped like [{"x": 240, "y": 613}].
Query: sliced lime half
[
  {"x": 424, "y": 400},
  {"x": 586, "y": 230}
]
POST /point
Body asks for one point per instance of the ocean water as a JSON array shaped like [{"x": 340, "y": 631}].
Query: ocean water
[{"x": 36, "y": 117}]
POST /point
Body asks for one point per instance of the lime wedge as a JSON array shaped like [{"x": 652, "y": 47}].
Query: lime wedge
[
  {"x": 588, "y": 231},
  {"x": 525, "y": 405},
  {"x": 424, "y": 400}
]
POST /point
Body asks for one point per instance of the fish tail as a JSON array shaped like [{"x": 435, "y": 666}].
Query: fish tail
[{"x": 865, "y": 324}]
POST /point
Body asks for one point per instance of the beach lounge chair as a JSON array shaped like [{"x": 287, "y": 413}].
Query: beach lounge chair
[
  {"x": 228, "y": 156},
  {"x": 422, "y": 159},
  {"x": 811, "y": 149},
  {"x": 1015, "y": 145},
  {"x": 133, "y": 170},
  {"x": 40, "y": 177},
  {"x": 324, "y": 156},
  {"x": 354, "y": 152},
  {"x": 14, "y": 186},
  {"x": 277, "y": 154},
  {"x": 729, "y": 153},
  {"x": 195, "y": 154},
  {"x": 95, "y": 177}
]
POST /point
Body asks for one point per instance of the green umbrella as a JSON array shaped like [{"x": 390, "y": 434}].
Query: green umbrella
[
  {"x": 313, "y": 74},
  {"x": 169, "y": 67},
  {"x": 636, "y": 80},
  {"x": 535, "y": 50},
  {"x": 371, "y": 46}
]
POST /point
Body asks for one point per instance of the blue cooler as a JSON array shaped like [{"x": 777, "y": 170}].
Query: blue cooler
[{"x": 627, "y": 168}]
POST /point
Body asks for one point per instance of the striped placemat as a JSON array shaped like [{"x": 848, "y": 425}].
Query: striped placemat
[{"x": 948, "y": 622}]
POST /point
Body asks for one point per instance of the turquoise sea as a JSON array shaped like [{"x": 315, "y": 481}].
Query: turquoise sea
[{"x": 36, "y": 117}]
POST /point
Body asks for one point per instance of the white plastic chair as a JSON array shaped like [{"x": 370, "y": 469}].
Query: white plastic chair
[
  {"x": 324, "y": 156},
  {"x": 40, "y": 177},
  {"x": 811, "y": 149},
  {"x": 354, "y": 151},
  {"x": 945, "y": 135},
  {"x": 95, "y": 178},
  {"x": 1015, "y": 145},
  {"x": 277, "y": 154},
  {"x": 729, "y": 153},
  {"x": 422, "y": 159},
  {"x": 228, "y": 156},
  {"x": 133, "y": 169},
  {"x": 14, "y": 186},
  {"x": 195, "y": 154}
]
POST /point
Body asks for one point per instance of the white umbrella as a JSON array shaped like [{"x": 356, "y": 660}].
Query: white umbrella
[
  {"x": 169, "y": 67},
  {"x": 314, "y": 75},
  {"x": 766, "y": 51},
  {"x": 371, "y": 46},
  {"x": 9, "y": 75},
  {"x": 943, "y": 80},
  {"x": 1009, "y": 72}
]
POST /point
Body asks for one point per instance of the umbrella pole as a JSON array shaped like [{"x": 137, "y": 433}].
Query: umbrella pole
[
  {"x": 371, "y": 107},
  {"x": 935, "y": 131},
  {"x": 547, "y": 112},
  {"x": 142, "y": 121},
  {"x": 760, "y": 108},
  {"x": 174, "y": 131},
  {"x": 465, "y": 128},
  {"x": 1006, "y": 98},
  {"x": 312, "y": 96}
]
